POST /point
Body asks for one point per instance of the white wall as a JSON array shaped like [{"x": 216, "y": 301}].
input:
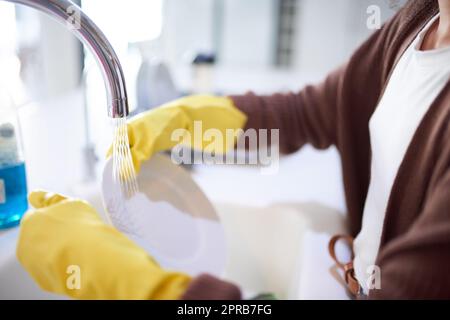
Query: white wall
[
  {"x": 187, "y": 28},
  {"x": 61, "y": 57},
  {"x": 249, "y": 30},
  {"x": 247, "y": 36},
  {"x": 329, "y": 31}
]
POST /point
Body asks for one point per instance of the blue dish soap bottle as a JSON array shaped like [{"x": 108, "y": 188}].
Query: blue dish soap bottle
[{"x": 13, "y": 182}]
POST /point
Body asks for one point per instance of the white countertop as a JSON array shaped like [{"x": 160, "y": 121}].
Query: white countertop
[
  {"x": 271, "y": 219},
  {"x": 305, "y": 176}
]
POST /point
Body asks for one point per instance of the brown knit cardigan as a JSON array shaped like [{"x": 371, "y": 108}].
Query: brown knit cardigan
[{"x": 414, "y": 254}]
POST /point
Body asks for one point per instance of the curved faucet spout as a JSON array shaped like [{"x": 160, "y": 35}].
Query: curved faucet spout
[{"x": 70, "y": 15}]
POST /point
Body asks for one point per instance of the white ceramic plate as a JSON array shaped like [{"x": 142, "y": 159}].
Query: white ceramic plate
[{"x": 171, "y": 218}]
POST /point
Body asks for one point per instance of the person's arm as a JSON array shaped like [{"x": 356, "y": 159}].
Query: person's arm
[
  {"x": 417, "y": 264},
  {"x": 319, "y": 114},
  {"x": 306, "y": 116}
]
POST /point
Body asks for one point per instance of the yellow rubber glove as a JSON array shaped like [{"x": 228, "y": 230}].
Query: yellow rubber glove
[
  {"x": 68, "y": 250},
  {"x": 151, "y": 131}
]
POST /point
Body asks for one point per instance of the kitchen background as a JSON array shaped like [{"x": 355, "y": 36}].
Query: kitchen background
[
  {"x": 169, "y": 48},
  {"x": 260, "y": 45}
]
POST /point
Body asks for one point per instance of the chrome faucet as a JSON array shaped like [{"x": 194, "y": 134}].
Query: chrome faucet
[{"x": 70, "y": 15}]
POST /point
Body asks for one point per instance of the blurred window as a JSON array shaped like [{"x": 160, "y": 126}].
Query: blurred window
[{"x": 286, "y": 33}]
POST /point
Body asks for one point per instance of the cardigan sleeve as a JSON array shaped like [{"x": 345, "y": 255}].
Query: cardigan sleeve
[
  {"x": 339, "y": 106},
  {"x": 308, "y": 116},
  {"x": 416, "y": 265}
]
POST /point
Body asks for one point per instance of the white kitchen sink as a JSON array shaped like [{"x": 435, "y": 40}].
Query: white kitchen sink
[
  {"x": 266, "y": 248},
  {"x": 265, "y": 218}
]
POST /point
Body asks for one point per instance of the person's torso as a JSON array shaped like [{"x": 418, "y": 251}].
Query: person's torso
[{"x": 416, "y": 81}]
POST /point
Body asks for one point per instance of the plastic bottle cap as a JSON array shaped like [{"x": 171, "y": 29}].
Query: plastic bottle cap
[{"x": 6, "y": 130}]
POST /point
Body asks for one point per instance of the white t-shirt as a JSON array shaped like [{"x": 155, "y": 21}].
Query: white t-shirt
[{"x": 415, "y": 83}]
